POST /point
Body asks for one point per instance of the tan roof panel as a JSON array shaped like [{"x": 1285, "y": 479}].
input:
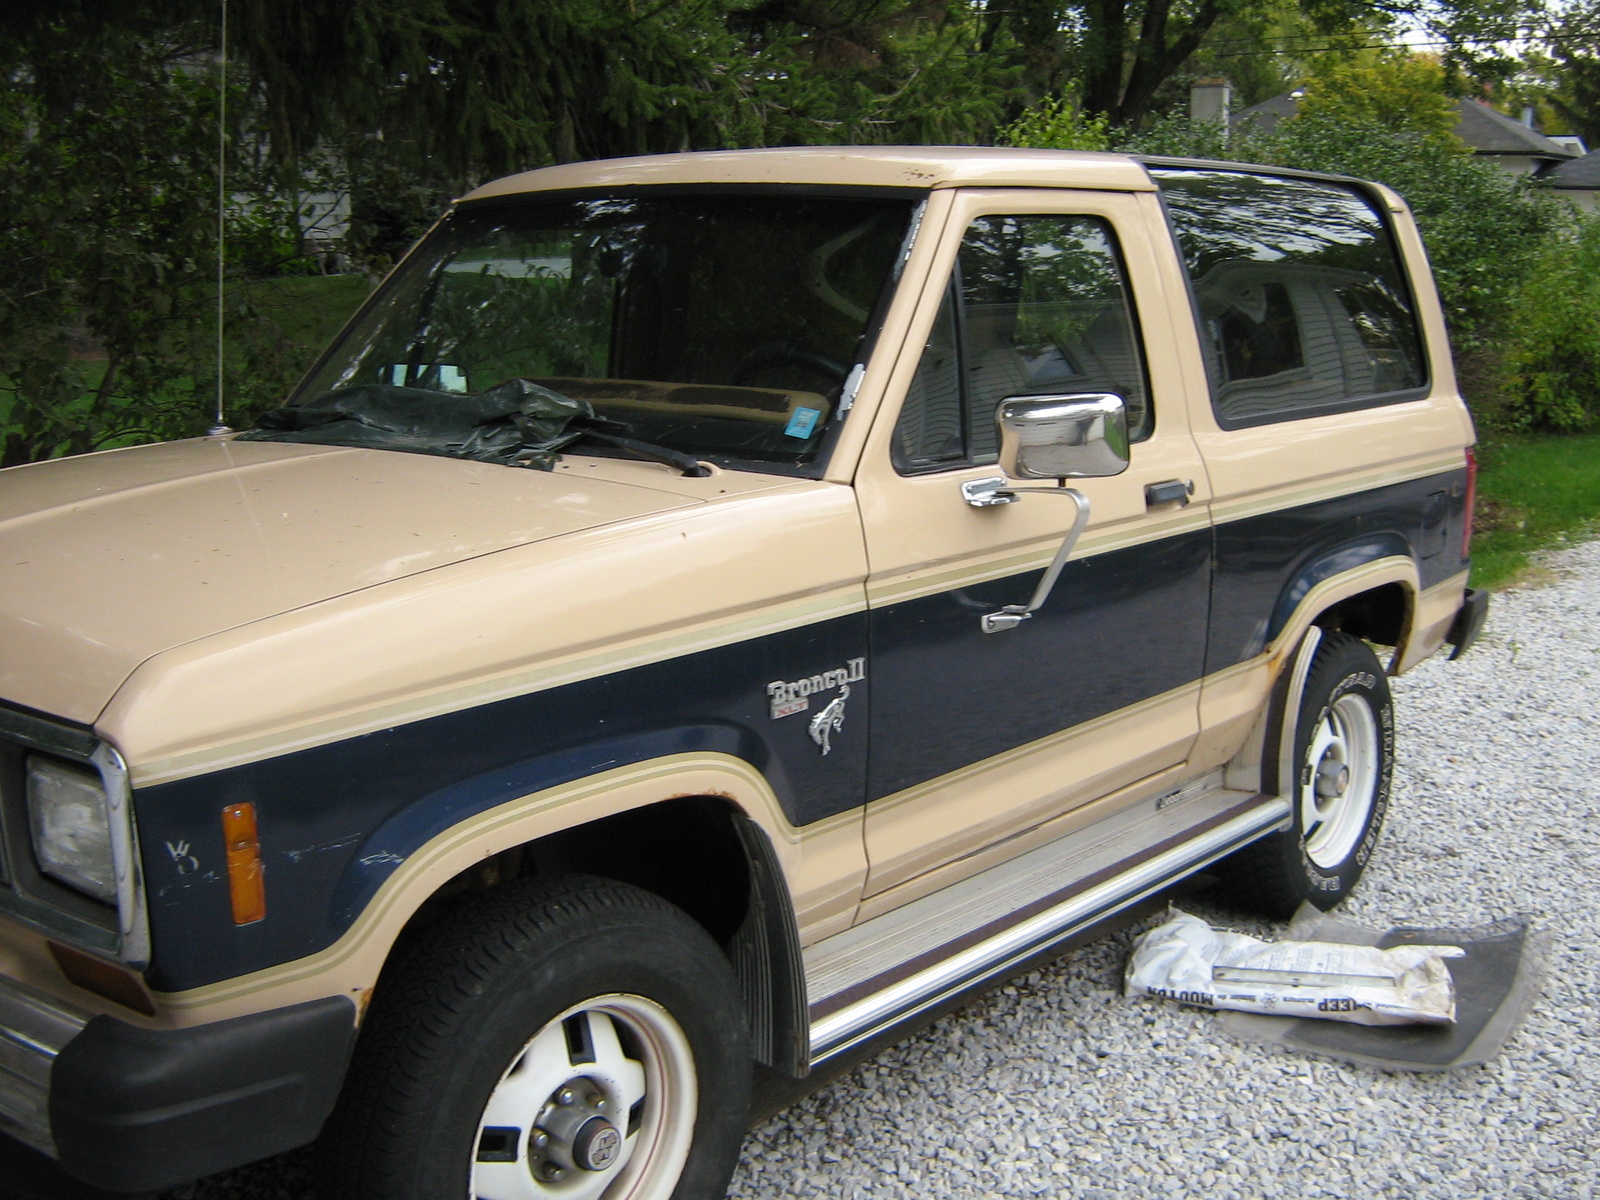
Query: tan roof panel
[{"x": 859, "y": 166}]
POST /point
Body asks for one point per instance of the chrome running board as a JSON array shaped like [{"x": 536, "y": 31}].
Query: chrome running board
[{"x": 893, "y": 967}]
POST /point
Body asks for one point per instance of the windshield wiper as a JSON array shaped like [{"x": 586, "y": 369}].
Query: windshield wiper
[{"x": 687, "y": 463}]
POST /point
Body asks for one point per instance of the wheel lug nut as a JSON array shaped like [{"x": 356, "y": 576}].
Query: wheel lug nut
[
  {"x": 539, "y": 1139},
  {"x": 566, "y": 1096},
  {"x": 553, "y": 1174}
]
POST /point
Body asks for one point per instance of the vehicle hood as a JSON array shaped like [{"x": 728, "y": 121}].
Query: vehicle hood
[{"x": 110, "y": 558}]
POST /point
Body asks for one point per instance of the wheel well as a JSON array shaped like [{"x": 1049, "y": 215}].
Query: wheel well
[
  {"x": 700, "y": 853},
  {"x": 685, "y": 850},
  {"x": 1381, "y": 615}
]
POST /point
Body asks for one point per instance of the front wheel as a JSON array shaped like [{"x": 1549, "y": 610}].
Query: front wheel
[
  {"x": 567, "y": 1040},
  {"x": 1343, "y": 751}
]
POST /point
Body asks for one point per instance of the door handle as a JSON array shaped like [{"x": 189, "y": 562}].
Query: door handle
[
  {"x": 1168, "y": 491},
  {"x": 988, "y": 493}
]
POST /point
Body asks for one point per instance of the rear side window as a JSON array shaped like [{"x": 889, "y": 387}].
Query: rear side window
[
  {"x": 1302, "y": 301},
  {"x": 1038, "y": 306}
]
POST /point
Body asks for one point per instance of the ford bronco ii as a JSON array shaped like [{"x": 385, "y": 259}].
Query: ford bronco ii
[{"x": 703, "y": 613}]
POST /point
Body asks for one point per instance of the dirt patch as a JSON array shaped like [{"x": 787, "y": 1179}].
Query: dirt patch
[{"x": 1496, "y": 516}]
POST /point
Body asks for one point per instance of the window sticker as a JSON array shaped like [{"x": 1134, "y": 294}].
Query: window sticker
[
  {"x": 437, "y": 377},
  {"x": 802, "y": 423}
]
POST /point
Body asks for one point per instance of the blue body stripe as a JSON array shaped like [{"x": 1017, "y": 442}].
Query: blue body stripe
[
  {"x": 1118, "y": 628},
  {"x": 336, "y": 820},
  {"x": 1265, "y": 565}
]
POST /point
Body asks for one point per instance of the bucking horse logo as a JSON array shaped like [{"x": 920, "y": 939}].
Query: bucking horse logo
[{"x": 830, "y": 719}]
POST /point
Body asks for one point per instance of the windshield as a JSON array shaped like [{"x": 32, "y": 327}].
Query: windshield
[{"x": 723, "y": 326}]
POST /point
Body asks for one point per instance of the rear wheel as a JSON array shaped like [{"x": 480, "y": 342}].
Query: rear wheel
[
  {"x": 570, "y": 1040},
  {"x": 1343, "y": 751}
]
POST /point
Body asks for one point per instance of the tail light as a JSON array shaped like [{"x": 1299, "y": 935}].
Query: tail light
[{"x": 1472, "y": 497}]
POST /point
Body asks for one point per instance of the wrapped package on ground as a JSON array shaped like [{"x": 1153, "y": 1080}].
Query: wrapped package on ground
[{"x": 1188, "y": 961}]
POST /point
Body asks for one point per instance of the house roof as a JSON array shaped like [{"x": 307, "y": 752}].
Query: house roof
[
  {"x": 1266, "y": 115},
  {"x": 1491, "y": 132},
  {"x": 1478, "y": 125},
  {"x": 1582, "y": 173}
]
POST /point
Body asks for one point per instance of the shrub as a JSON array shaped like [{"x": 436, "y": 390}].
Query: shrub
[
  {"x": 1056, "y": 124},
  {"x": 1552, "y": 352}
]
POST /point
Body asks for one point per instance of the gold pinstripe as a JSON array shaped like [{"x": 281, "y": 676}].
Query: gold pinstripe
[
  {"x": 836, "y": 603},
  {"x": 388, "y": 904},
  {"x": 1029, "y": 749},
  {"x": 982, "y": 568},
  {"x": 1276, "y": 500}
]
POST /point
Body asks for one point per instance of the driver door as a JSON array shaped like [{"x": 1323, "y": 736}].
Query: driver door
[{"x": 977, "y": 737}]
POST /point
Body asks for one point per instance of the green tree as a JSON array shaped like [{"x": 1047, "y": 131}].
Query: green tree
[
  {"x": 1572, "y": 34},
  {"x": 823, "y": 72},
  {"x": 108, "y": 161},
  {"x": 1399, "y": 91},
  {"x": 110, "y": 194},
  {"x": 1120, "y": 58},
  {"x": 1057, "y": 124}
]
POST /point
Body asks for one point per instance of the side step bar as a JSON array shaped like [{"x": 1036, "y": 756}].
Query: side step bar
[{"x": 895, "y": 966}]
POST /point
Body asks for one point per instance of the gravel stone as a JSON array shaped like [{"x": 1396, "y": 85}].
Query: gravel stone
[{"x": 1054, "y": 1085}]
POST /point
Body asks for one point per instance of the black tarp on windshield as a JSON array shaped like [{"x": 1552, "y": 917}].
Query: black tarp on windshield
[{"x": 515, "y": 423}]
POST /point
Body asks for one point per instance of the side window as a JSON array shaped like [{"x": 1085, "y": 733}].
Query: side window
[
  {"x": 1302, "y": 301},
  {"x": 1037, "y": 306}
]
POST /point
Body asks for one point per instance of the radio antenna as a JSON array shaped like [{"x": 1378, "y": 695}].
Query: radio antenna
[{"x": 221, "y": 425}]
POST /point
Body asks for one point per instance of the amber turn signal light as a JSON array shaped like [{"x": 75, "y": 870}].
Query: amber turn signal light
[{"x": 247, "y": 885}]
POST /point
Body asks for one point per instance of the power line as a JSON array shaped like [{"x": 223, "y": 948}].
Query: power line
[{"x": 1442, "y": 43}]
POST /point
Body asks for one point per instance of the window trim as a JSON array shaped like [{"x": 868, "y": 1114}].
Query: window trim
[{"x": 952, "y": 290}]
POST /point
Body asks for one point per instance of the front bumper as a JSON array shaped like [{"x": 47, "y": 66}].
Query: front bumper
[
  {"x": 34, "y": 1029},
  {"x": 136, "y": 1110}
]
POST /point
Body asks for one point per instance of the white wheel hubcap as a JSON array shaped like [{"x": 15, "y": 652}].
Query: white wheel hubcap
[
  {"x": 1339, "y": 780},
  {"x": 600, "y": 1103}
]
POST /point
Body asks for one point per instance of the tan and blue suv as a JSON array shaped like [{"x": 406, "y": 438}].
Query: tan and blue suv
[{"x": 703, "y": 613}]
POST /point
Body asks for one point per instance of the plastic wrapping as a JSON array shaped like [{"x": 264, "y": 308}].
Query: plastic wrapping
[
  {"x": 1496, "y": 982},
  {"x": 1188, "y": 961}
]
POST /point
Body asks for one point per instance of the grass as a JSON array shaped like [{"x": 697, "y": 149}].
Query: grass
[
  {"x": 289, "y": 321},
  {"x": 310, "y": 309},
  {"x": 1535, "y": 492}
]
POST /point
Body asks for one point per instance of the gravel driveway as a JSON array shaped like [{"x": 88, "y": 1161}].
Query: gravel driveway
[{"x": 1056, "y": 1086}]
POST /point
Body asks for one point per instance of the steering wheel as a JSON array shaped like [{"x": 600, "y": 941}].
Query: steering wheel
[{"x": 782, "y": 354}]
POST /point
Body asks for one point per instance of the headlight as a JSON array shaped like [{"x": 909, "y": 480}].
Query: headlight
[{"x": 71, "y": 821}]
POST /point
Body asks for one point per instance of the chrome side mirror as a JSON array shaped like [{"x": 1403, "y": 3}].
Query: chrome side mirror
[
  {"x": 1063, "y": 437},
  {"x": 1060, "y": 438}
]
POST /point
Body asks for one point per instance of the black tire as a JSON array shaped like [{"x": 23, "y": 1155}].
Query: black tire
[
  {"x": 468, "y": 1014},
  {"x": 1322, "y": 853}
]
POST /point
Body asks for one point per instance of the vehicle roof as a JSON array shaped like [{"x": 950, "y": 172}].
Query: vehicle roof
[{"x": 841, "y": 166}]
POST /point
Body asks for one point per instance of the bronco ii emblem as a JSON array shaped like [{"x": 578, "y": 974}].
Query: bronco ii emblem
[
  {"x": 830, "y": 719},
  {"x": 794, "y": 696}
]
